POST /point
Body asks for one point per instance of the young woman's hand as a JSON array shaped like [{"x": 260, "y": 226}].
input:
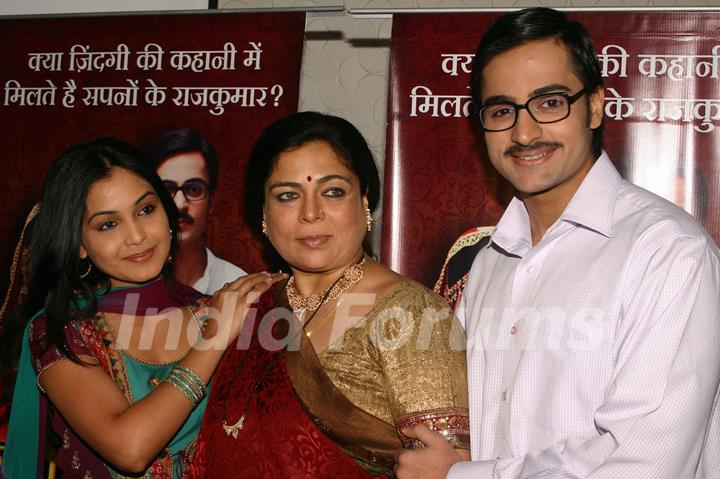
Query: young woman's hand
[{"x": 230, "y": 305}]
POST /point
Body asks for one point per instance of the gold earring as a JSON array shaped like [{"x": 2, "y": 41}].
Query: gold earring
[
  {"x": 368, "y": 219},
  {"x": 264, "y": 227},
  {"x": 84, "y": 275}
]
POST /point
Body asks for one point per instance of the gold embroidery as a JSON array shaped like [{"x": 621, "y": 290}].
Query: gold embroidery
[
  {"x": 75, "y": 461},
  {"x": 87, "y": 475},
  {"x": 467, "y": 239},
  {"x": 452, "y": 423},
  {"x": 66, "y": 439},
  {"x": 53, "y": 363},
  {"x": 113, "y": 335},
  {"x": 470, "y": 239},
  {"x": 423, "y": 367}
]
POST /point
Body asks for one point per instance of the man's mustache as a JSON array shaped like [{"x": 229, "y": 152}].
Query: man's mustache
[
  {"x": 524, "y": 149},
  {"x": 186, "y": 218}
]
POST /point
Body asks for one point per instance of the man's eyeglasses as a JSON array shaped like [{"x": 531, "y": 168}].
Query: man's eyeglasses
[
  {"x": 193, "y": 190},
  {"x": 545, "y": 108}
]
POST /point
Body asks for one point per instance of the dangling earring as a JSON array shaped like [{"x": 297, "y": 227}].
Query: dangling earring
[
  {"x": 84, "y": 275},
  {"x": 264, "y": 227},
  {"x": 368, "y": 219},
  {"x": 169, "y": 258}
]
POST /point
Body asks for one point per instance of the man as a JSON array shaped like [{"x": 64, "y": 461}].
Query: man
[
  {"x": 592, "y": 315},
  {"x": 188, "y": 165}
]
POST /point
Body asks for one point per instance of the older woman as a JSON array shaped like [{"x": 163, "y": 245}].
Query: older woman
[{"x": 368, "y": 353}]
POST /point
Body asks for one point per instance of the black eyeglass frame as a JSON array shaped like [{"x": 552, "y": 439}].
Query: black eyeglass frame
[
  {"x": 570, "y": 100},
  {"x": 173, "y": 188}
]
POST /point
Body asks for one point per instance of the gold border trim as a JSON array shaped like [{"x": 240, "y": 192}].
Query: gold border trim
[{"x": 451, "y": 423}]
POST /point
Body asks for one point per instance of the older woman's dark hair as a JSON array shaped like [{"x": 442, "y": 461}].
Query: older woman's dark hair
[
  {"x": 56, "y": 268},
  {"x": 539, "y": 23},
  {"x": 295, "y": 131}
]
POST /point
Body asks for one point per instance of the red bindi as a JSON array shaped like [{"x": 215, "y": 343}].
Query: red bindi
[{"x": 309, "y": 178}]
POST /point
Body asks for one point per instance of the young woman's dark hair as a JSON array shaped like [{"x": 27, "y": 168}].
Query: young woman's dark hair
[
  {"x": 539, "y": 23},
  {"x": 185, "y": 140},
  {"x": 57, "y": 273},
  {"x": 295, "y": 131}
]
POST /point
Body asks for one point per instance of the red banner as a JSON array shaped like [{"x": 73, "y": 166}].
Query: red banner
[
  {"x": 67, "y": 80},
  {"x": 662, "y": 124}
]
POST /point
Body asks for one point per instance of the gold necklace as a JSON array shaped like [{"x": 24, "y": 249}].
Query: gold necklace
[
  {"x": 316, "y": 324},
  {"x": 350, "y": 276}
]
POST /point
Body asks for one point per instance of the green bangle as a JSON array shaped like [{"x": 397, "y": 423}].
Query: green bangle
[
  {"x": 193, "y": 377},
  {"x": 182, "y": 387},
  {"x": 189, "y": 393},
  {"x": 189, "y": 382}
]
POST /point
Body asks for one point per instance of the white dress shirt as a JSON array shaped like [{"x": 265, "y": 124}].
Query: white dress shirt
[
  {"x": 217, "y": 273},
  {"x": 596, "y": 352}
]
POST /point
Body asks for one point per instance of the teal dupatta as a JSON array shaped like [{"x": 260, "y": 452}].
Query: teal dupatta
[
  {"x": 21, "y": 459},
  {"x": 23, "y": 440}
]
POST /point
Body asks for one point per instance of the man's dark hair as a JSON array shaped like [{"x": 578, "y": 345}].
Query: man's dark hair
[
  {"x": 186, "y": 140},
  {"x": 539, "y": 23}
]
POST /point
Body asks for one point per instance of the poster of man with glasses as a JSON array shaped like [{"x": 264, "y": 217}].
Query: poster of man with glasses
[{"x": 188, "y": 165}]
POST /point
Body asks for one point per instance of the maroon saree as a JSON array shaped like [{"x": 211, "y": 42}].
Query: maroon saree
[{"x": 280, "y": 438}]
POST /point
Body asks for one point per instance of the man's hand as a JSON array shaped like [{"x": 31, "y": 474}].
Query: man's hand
[{"x": 430, "y": 462}]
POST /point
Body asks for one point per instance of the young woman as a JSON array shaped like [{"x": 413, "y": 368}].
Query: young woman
[
  {"x": 369, "y": 352},
  {"x": 118, "y": 353}
]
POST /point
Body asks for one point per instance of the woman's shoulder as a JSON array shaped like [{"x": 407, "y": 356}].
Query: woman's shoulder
[
  {"x": 39, "y": 326},
  {"x": 409, "y": 290},
  {"x": 414, "y": 298},
  {"x": 392, "y": 286},
  {"x": 44, "y": 353}
]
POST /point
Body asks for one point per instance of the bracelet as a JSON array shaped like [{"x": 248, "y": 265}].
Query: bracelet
[
  {"x": 188, "y": 383},
  {"x": 183, "y": 388},
  {"x": 190, "y": 374}
]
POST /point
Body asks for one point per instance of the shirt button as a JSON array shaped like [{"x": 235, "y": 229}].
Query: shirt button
[
  {"x": 503, "y": 396},
  {"x": 529, "y": 269},
  {"x": 513, "y": 329}
]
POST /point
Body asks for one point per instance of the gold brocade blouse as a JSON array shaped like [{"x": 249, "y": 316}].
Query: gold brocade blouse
[{"x": 407, "y": 356}]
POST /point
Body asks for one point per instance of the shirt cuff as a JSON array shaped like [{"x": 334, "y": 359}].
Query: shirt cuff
[{"x": 471, "y": 470}]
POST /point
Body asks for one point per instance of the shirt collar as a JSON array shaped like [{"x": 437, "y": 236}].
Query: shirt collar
[
  {"x": 591, "y": 207},
  {"x": 203, "y": 283}
]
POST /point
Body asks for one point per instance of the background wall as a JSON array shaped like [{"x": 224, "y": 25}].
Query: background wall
[
  {"x": 345, "y": 61},
  {"x": 26, "y": 7}
]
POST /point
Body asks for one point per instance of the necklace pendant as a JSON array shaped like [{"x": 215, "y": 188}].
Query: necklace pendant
[
  {"x": 233, "y": 429},
  {"x": 351, "y": 275}
]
